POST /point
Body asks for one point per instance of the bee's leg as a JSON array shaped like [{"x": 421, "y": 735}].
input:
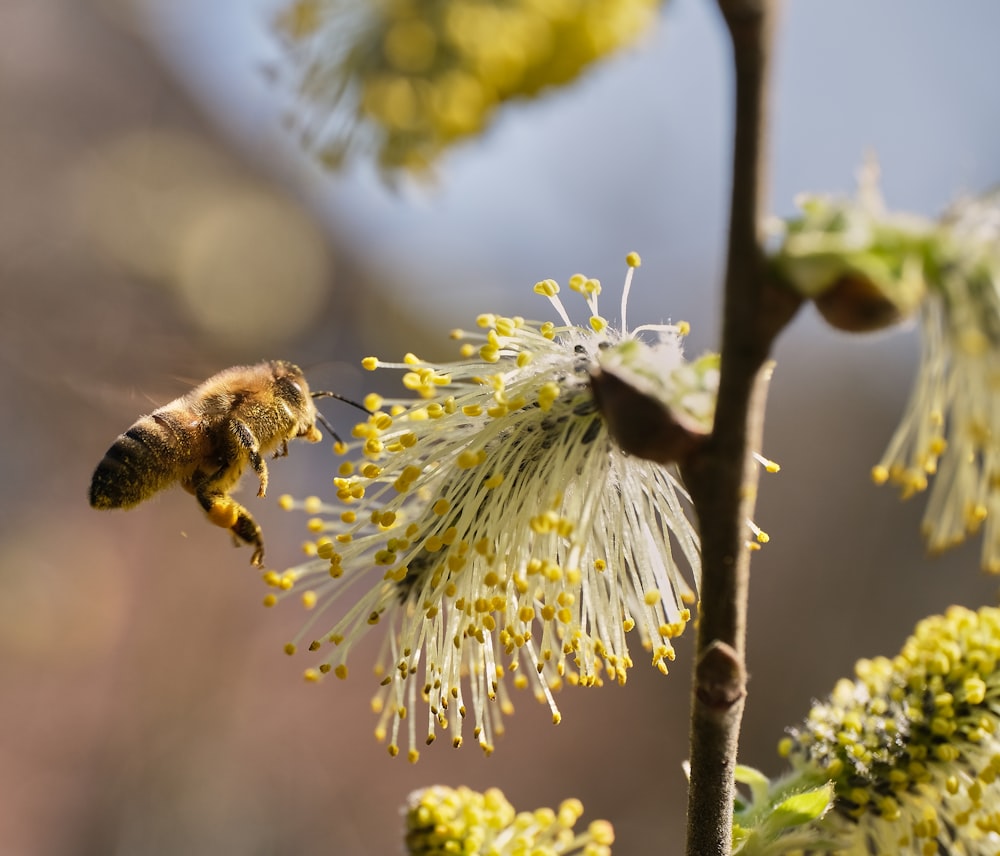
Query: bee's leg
[
  {"x": 224, "y": 511},
  {"x": 282, "y": 450},
  {"x": 245, "y": 437}
]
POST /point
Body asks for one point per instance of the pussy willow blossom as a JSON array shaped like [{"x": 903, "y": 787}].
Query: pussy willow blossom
[
  {"x": 865, "y": 269},
  {"x": 514, "y": 538},
  {"x": 442, "y": 821},
  {"x": 912, "y": 746},
  {"x": 951, "y": 429},
  {"x": 406, "y": 79}
]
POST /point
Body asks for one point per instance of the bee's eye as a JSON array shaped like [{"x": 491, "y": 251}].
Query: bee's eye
[{"x": 296, "y": 385}]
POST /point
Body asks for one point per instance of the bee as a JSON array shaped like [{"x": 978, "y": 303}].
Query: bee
[{"x": 205, "y": 439}]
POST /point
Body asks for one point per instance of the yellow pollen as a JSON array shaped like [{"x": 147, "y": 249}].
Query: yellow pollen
[
  {"x": 505, "y": 326},
  {"x": 547, "y": 395},
  {"x": 442, "y": 506},
  {"x": 547, "y": 288},
  {"x": 633, "y": 260},
  {"x": 369, "y": 363},
  {"x": 768, "y": 465},
  {"x": 468, "y": 459},
  {"x": 312, "y": 505},
  {"x": 598, "y": 324}
]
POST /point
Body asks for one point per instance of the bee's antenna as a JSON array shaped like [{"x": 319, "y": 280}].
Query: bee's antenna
[{"x": 324, "y": 421}]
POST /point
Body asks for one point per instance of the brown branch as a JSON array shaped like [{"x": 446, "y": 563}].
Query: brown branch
[{"x": 721, "y": 475}]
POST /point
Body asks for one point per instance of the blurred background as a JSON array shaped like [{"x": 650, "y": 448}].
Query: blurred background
[{"x": 157, "y": 224}]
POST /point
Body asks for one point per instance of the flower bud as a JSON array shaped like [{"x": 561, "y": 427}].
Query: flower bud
[{"x": 641, "y": 423}]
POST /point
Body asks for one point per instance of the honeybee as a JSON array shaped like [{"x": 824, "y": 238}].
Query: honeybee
[{"x": 205, "y": 439}]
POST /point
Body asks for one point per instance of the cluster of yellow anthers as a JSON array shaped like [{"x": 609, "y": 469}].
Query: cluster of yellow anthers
[
  {"x": 912, "y": 745},
  {"x": 866, "y": 269},
  {"x": 949, "y": 434},
  {"x": 441, "y": 820},
  {"x": 408, "y": 79},
  {"x": 514, "y": 538}
]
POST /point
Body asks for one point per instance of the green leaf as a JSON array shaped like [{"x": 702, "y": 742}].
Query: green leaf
[{"x": 800, "y": 809}]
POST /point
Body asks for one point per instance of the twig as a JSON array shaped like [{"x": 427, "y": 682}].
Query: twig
[{"x": 722, "y": 477}]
